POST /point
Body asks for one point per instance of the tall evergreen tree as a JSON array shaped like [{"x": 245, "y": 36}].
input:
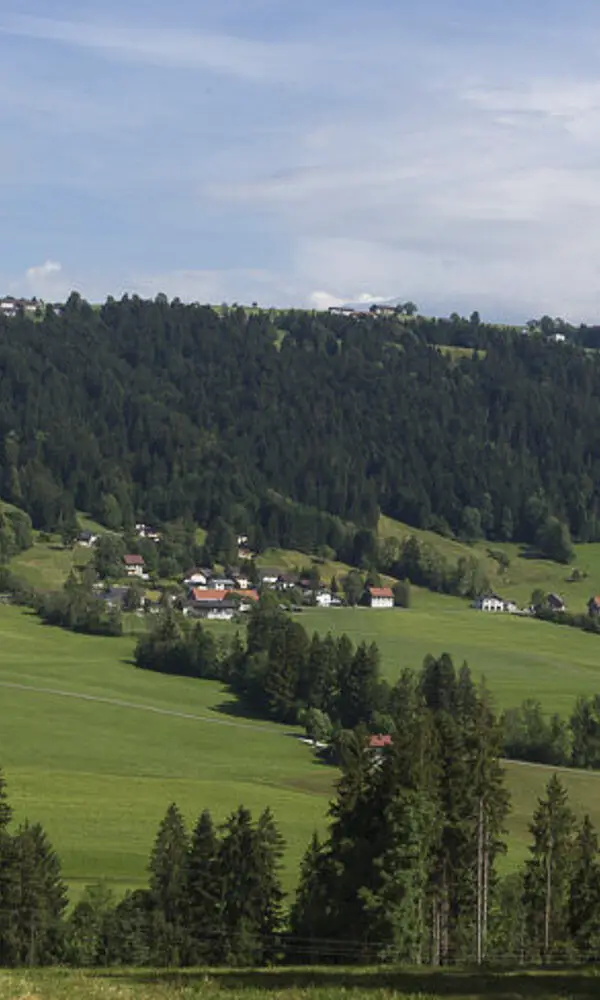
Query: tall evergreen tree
[
  {"x": 584, "y": 895},
  {"x": 204, "y": 893},
  {"x": 39, "y": 899},
  {"x": 548, "y": 871},
  {"x": 168, "y": 885}
]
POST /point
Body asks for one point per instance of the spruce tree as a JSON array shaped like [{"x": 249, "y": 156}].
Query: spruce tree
[
  {"x": 7, "y": 877},
  {"x": 547, "y": 875},
  {"x": 168, "y": 884},
  {"x": 39, "y": 899},
  {"x": 584, "y": 895},
  {"x": 204, "y": 892},
  {"x": 310, "y": 921},
  {"x": 239, "y": 872},
  {"x": 270, "y": 847},
  {"x": 491, "y": 801}
]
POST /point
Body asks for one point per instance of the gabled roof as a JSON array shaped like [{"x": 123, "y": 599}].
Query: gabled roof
[
  {"x": 381, "y": 592},
  {"x": 133, "y": 560},
  {"x": 248, "y": 595},
  {"x": 206, "y": 594},
  {"x": 380, "y": 740}
]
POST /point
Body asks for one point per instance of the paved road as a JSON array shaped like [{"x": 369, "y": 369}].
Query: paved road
[{"x": 118, "y": 703}]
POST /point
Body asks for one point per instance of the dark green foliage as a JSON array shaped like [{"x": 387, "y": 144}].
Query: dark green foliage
[
  {"x": 248, "y": 863},
  {"x": 174, "y": 645},
  {"x": 91, "y": 931},
  {"x": 36, "y": 901},
  {"x": 168, "y": 891},
  {"x": 585, "y": 727},
  {"x": 548, "y": 873},
  {"x": 79, "y": 608},
  {"x": 528, "y": 734},
  {"x": 584, "y": 898},
  {"x": 204, "y": 892},
  {"x": 408, "y": 869}
]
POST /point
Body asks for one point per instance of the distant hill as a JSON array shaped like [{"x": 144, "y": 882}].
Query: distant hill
[{"x": 301, "y": 428}]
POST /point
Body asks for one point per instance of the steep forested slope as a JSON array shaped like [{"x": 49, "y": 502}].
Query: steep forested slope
[{"x": 165, "y": 410}]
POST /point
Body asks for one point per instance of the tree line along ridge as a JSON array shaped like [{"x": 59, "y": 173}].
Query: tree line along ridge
[{"x": 296, "y": 432}]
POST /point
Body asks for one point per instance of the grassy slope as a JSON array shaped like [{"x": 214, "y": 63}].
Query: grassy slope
[
  {"x": 524, "y": 574},
  {"x": 519, "y": 657},
  {"x": 100, "y": 776},
  {"x": 299, "y": 984},
  {"x": 46, "y": 566}
]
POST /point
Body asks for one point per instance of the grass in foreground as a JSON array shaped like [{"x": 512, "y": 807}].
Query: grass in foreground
[{"x": 314, "y": 983}]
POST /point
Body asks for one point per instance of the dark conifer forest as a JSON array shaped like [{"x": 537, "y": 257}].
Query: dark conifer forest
[{"x": 294, "y": 426}]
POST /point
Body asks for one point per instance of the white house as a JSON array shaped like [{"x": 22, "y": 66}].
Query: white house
[
  {"x": 323, "y": 598},
  {"x": 87, "y": 538},
  {"x": 222, "y": 583},
  {"x": 134, "y": 566},
  {"x": 195, "y": 578},
  {"x": 241, "y": 581},
  {"x": 489, "y": 602},
  {"x": 381, "y": 597}
]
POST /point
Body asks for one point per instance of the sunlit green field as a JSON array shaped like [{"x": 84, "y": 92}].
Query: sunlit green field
[
  {"x": 519, "y": 657},
  {"x": 96, "y": 749}
]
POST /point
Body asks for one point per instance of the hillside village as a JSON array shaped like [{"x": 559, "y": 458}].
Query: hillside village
[{"x": 222, "y": 594}]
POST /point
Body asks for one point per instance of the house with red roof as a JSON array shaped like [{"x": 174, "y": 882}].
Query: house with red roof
[
  {"x": 380, "y": 741},
  {"x": 380, "y": 597}
]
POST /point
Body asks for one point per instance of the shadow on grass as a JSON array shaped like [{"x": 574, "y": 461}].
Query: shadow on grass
[{"x": 538, "y": 984}]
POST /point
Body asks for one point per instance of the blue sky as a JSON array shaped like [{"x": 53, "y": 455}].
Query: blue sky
[{"x": 304, "y": 153}]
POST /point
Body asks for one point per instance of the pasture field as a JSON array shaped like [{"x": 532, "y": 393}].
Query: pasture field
[
  {"x": 96, "y": 750},
  {"x": 100, "y": 774},
  {"x": 519, "y": 657},
  {"x": 300, "y": 984},
  {"x": 524, "y": 574}
]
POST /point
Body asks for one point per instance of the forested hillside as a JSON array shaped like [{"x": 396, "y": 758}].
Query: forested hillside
[{"x": 161, "y": 410}]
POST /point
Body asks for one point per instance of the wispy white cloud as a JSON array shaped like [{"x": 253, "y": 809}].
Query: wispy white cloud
[
  {"x": 220, "y": 53},
  {"x": 47, "y": 280},
  {"x": 433, "y": 169}
]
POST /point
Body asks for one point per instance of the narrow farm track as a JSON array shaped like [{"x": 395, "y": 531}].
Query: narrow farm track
[{"x": 136, "y": 706}]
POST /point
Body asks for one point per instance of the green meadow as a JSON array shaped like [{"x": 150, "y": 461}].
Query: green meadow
[
  {"x": 519, "y": 657},
  {"x": 96, "y": 749},
  {"x": 300, "y": 984},
  {"x": 524, "y": 574}
]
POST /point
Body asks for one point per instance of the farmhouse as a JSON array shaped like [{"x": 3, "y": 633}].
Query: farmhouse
[
  {"x": 555, "y": 603},
  {"x": 87, "y": 538},
  {"x": 214, "y": 610},
  {"x": 10, "y": 306},
  {"x": 323, "y": 598},
  {"x": 195, "y": 578},
  {"x": 134, "y": 565},
  {"x": 380, "y": 597},
  {"x": 489, "y": 602}
]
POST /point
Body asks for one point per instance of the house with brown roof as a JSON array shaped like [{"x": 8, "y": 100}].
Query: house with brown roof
[
  {"x": 134, "y": 566},
  {"x": 380, "y": 597}
]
